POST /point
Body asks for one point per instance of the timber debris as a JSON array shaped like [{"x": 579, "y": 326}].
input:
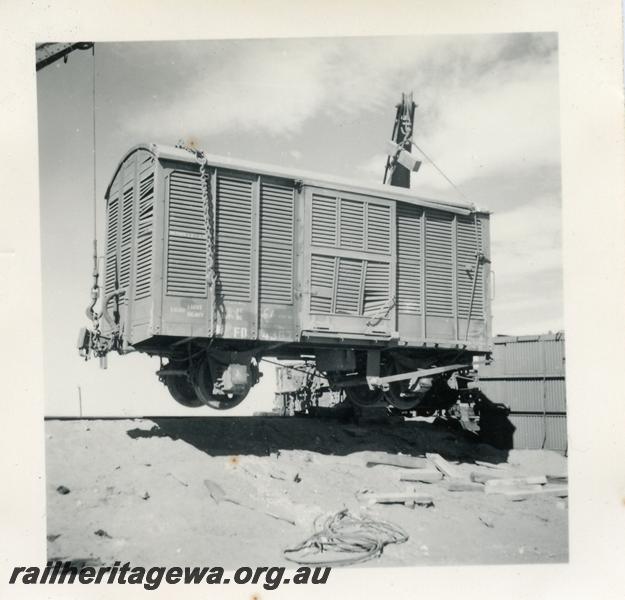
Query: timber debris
[{"x": 434, "y": 469}]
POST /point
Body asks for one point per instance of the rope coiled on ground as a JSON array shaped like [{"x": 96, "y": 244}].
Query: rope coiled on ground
[{"x": 362, "y": 538}]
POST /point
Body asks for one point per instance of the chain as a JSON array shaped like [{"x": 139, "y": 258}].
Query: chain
[
  {"x": 207, "y": 209},
  {"x": 207, "y": 206}
]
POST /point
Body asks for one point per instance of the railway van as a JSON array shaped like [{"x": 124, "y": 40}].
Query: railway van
[{"x": 213, "y": 263}]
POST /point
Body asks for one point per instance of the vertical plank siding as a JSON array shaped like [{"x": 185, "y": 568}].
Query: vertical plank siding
[{"x": 288, "y": 258}]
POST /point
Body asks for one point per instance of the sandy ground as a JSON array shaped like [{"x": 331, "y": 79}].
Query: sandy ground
[{"x": 140, "y": 491}]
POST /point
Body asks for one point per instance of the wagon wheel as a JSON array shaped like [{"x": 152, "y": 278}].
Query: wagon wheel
[
  {"x": 393, "y": 394},
  {"x": 182, "y": 391},
  {"x": 203, "y": 384},
  {"x": 362, "y": 396}
]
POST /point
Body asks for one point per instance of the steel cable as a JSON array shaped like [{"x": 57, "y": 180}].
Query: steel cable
[{"x": 93, "y": 126}]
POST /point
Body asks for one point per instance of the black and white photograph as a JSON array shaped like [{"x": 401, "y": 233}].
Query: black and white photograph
[
  {"x": 303, "y": 301},
  {"x": 325, "y": 291}
]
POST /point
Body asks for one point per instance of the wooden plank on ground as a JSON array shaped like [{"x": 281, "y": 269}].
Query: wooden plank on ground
[
  {"x": 464, "y": 485},
  {"x": 504, "y": 489},
  {"x": 446, "y": 468},
  {"x": 397, "y": 498},
  {"x": 560, "y": 491},
  {"x": 422, "y": 476},
  {"x": 557, "y": 478},
  {"x": 488, "y": 465},
  {"x": 398, "y": 460},
  {"x": 510, "y": 482},
  {"x": 479, "y": 477}
]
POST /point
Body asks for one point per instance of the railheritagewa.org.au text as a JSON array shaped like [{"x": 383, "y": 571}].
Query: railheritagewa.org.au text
[{"x": 150, "y": 578}]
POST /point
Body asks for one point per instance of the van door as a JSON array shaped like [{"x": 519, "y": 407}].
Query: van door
[{"x": 351, "y": 261}]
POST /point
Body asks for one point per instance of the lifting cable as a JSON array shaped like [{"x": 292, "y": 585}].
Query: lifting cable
[
  {"x": 93, "y": 124},
  {"x": 95, "y": 288},
  {"x": 448, "y": 179},
  {"x": 345, "y": 539}
]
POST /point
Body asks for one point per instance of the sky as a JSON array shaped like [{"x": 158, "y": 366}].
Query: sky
[{"x": 488, "y": 114}]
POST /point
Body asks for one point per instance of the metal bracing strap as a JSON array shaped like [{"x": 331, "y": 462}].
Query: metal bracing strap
[
  {"x": 414, "y": 376},
  {"x": 475, "y": 276},
  {"x": 478, "y": 259}
]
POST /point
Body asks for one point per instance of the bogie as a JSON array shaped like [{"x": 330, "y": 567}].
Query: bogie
[{"x": 182, "y": 391}]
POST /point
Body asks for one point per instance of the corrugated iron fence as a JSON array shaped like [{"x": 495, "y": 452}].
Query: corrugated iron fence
[{"x": 527, "y": 375}]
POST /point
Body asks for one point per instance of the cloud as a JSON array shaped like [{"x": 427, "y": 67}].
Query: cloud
[
  {"x": 266, "y": 87},
  {"x": 468, "y": 88},
  {"x": 491, "y": 116},
  {"x": 498, "y": 122},
  {"x": 373, "y": 168},
  {"x": 529, "y": 234},
  {"x": 527, "y": 259}
]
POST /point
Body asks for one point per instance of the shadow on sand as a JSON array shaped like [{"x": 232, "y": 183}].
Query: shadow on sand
[{"x": 261, "y": 436}]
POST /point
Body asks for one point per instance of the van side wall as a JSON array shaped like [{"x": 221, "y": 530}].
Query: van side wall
[{"x": 290, "y": 259}]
